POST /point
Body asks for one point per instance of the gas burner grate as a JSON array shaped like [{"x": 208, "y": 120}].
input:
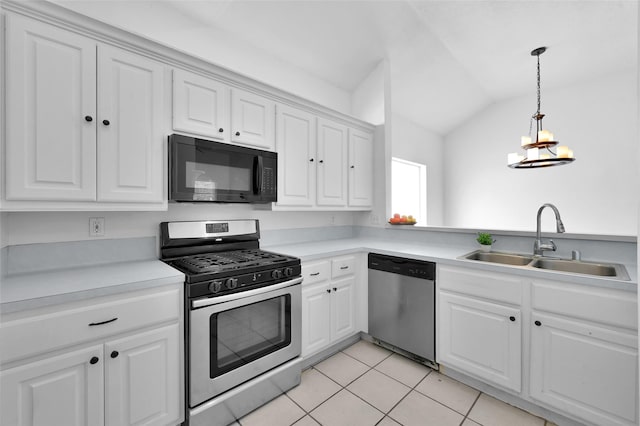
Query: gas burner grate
[{"x": 218, "y": 262}]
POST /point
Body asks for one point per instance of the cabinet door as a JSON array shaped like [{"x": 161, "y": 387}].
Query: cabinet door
[
  {"x": 316, "y": 323},
  {"x": 50, "y": 113},
  {"x": 200, "y": 105},
  {"x": 343, "y": 316},
  {"x": 130, "y": 140},
  {"x": 296, "y": 145},
  {"x": 584, "y": 370},
  {"x": 62, "y": 390},
  {"x": 142, "y": 379},
  {"x": 360, "y": 168},
  {"x": 480, "y": 338},
  {"x": 252, "y": 120},
  {"x": 332, "y": 164}
]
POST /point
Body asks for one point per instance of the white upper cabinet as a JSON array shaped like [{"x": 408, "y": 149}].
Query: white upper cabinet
[
  {"x": 130, "y": 149},
  {"x": 360, "y": 168},
  {"x": 84, "y": 125},
  {"x": 296, "y": 146},
  {"x": 50, "y": 113},
  {"x": 332, "y": 164},
  {"x": 252, "y": 120},
  {"x": 200, "y": 105}
]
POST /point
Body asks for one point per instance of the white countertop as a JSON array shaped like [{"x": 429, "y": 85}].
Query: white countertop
[
  {"x": 444, "y": 254},
  {"x": 36, "y": 289}
]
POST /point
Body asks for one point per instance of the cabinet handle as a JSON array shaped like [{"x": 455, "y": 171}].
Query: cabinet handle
[
  {"x": 115, "y": 354},
  {"x": 106, "y": 122},
  {"x": 221, "y": 130},
  {"x": 335, "y": 289},
  {"x": 512, "y": 318},
  {"x": 88, "y": 118},
  {"x": 237, "y": 133},
  {"x": 311, "y": 160},
  {"x": 103, "y": 322},
  {"x": 538, "y": 323},
  {"x": 315, "y": 274},
  {"x": 94, "y": 360},
  {"x": 344, "y": 267}
]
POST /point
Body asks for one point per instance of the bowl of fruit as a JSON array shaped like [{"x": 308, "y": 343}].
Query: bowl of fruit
[{"x": 402, "y": 220}]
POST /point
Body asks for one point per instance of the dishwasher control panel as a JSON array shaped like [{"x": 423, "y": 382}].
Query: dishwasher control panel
[{"x": 402, "y": 266}]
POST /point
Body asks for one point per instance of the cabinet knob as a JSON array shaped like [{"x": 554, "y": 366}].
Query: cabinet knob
[
  {"x": 311, "y": 160},
  {"x": 94, "y": 360},
  {"x": 328, "y": 290},
  {"x": 538, "y": 323},
  {"x": 512, "y": 318},
  {"x": 106, "y": 122},
  {"x": 88, "y": 118},
  {"x": 220, "y": 130},
  {"x": 115, "y": 354},
  {"x": 335, "y": 289},
  {"x": 237, "y": 133},
  {"x": 353, "y": 167},
  {"x": 321, "y": 161}
]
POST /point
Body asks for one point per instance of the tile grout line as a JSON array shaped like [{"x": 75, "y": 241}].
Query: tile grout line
[{"x": 466, "y": 416}]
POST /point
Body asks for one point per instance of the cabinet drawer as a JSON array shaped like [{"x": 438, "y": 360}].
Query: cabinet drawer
[
  {"x": 603, "y": 305},
  {"x": 488, "y": 285},
  {"x": 315, "y": 272},
  {"x": 341, "y": 266},
  {"x": 75, "y": 323}
]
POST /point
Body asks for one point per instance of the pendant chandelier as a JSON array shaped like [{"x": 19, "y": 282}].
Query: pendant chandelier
[{"x": 538, "y": 151}]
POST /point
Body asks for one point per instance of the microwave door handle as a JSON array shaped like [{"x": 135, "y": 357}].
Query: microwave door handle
[{"x": 257, "y": 174}]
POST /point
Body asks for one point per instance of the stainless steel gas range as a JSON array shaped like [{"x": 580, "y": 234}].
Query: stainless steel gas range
[{"x": 242, "y": 317}]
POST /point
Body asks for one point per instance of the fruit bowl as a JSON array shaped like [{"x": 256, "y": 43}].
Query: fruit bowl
[{"x": 402, "y": 220}]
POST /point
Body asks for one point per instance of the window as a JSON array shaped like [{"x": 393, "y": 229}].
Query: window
[{"x": 409, "y": 189}]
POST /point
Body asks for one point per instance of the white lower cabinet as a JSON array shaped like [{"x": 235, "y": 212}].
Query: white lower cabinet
[
  {"x": 126, "y": 371},
  {"x": 62, "y": 390},
  {"x": 585, "y": 370},
  {"x": 584, "y": 352},
  {"x": 142, "y": 383},
  {"x": 328, "y": 304},
  {"x": 482, "y": 338},
  {"x": 582, "y": 359}
]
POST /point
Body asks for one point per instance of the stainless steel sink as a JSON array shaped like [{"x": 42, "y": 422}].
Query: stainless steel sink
[
  {"x": 497, "y": 257},
  {"x": 579, "y": 267},
  {"x": 599, "y": 269}
]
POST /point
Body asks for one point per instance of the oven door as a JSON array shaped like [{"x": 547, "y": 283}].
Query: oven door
[
  {"x": 206, "y": 171},
  {"x": 237, "y": 337}
]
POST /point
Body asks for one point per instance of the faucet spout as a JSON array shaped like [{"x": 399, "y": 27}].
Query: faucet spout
[{"x": 538, "y": 247}]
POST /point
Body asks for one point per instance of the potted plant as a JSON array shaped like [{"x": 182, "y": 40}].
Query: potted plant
[{"x": 485, "y": 240}]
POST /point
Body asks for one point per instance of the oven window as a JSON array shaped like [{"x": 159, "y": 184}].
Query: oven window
[{"x": 244, "y": 334}]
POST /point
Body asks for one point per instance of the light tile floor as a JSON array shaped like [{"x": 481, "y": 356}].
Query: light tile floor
[{"x": 366, "y": 385}]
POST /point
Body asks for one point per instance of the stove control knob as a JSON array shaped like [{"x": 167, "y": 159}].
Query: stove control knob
[
  {"x": 276, "y": 274},
  {"x": 215, "y": 286},
  {"x": 288, "y": 272},
  {"x": 231, "y": 283}
]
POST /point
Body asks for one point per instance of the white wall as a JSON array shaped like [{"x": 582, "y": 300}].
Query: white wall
[
  {"x": 414, "y": 143},
  {"x": 367, "y": 100},
  {"x": 598, "y": 193},
  {"x": 43, "y": 227}
]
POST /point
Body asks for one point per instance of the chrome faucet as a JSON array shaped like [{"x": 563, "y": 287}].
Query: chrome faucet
[{"x": 538, "y": 247}]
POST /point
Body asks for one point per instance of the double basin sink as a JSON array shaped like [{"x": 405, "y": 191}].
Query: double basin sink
[{"x": 610, "y": 270}]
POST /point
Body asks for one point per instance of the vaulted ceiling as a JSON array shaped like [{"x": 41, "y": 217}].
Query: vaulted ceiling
[{"x": 448, "y": 59}]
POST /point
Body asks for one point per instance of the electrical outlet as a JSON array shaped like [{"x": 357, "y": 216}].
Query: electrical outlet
[{"x": 96, "y": 226}]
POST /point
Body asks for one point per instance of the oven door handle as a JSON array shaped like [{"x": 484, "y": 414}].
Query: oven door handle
[{"x": 235, "y": 296}]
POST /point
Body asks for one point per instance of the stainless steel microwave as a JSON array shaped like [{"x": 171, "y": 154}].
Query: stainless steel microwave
[{"x": 205, "y": 171}]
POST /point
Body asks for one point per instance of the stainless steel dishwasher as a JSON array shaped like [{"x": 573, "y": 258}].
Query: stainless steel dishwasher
[{"x": 402, "y": 304}]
